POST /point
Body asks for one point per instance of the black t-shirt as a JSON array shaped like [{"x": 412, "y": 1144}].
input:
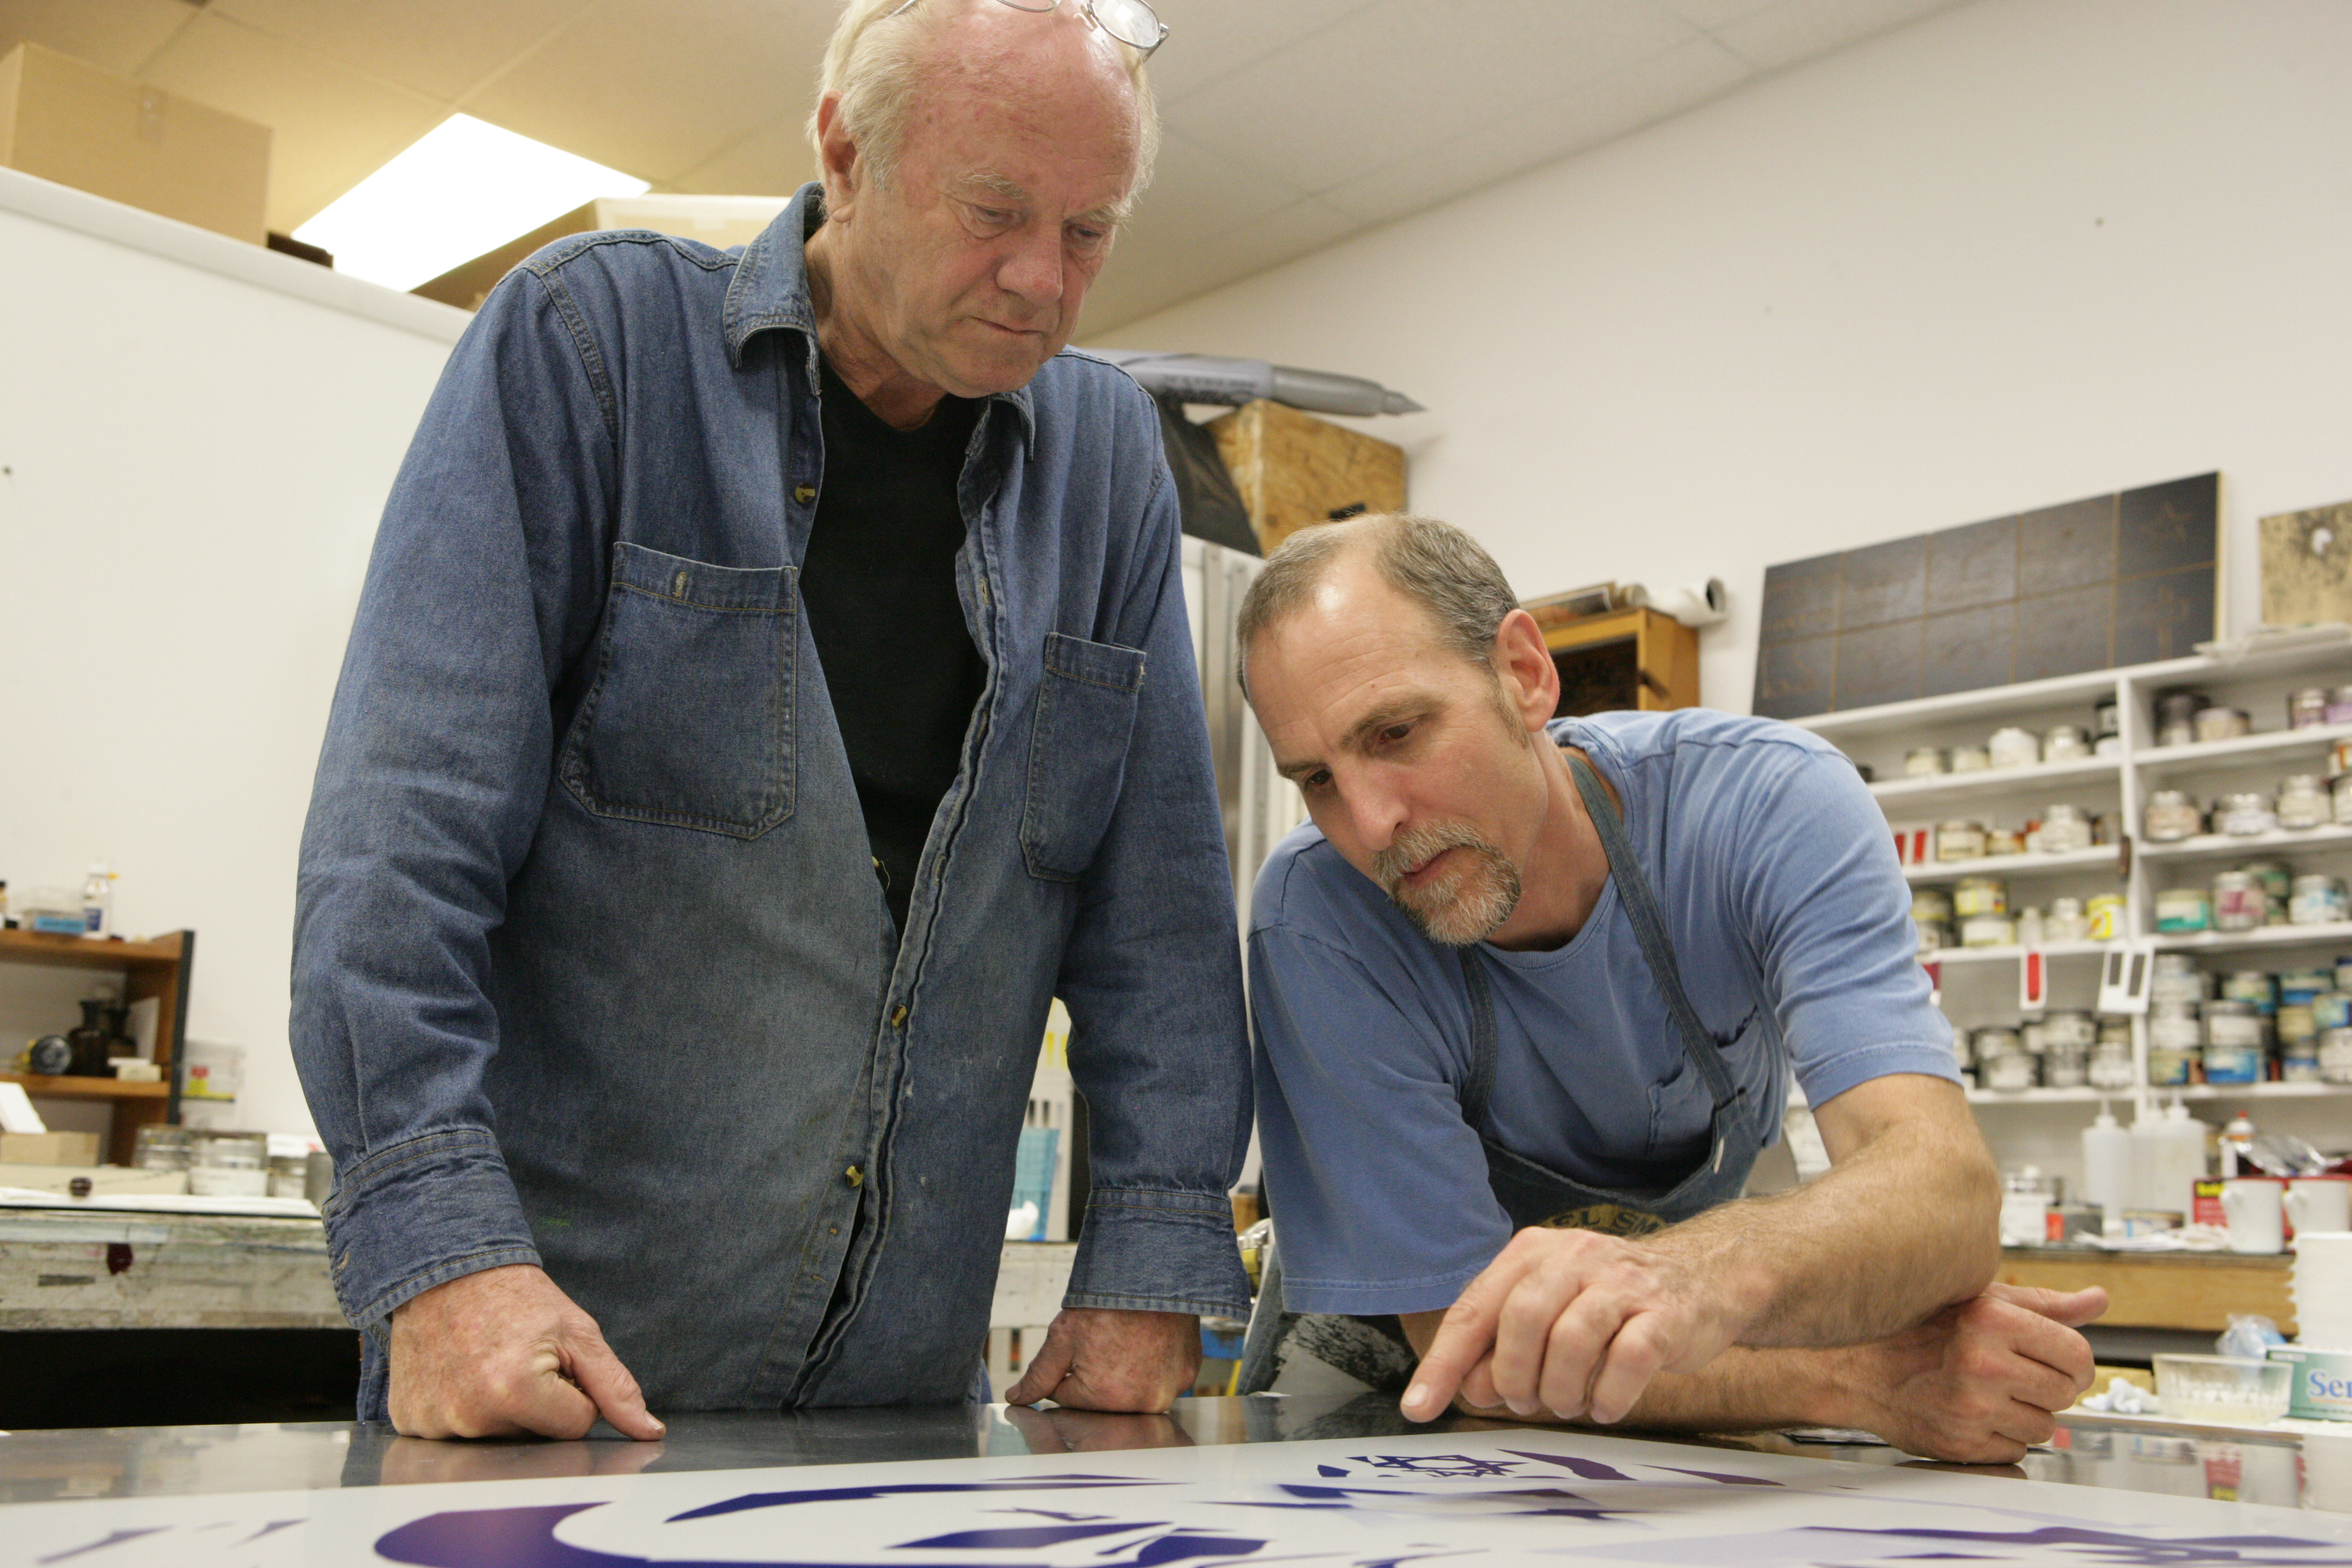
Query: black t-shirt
[{"x": 877, "y": 584}]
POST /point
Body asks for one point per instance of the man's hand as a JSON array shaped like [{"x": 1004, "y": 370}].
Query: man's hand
[
  {"x": 1573, "y": 1322},
  {"x": 504, "y": 1352},
  {"x": 1097, "y": 1359},
  {"x": 1978, "y": 1383}
]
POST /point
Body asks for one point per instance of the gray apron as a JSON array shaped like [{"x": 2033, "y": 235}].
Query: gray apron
[{"x": 1374, "y": 1350}]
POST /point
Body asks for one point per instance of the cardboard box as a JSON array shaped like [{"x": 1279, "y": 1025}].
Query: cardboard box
[
  {"x": 49, "y": 1148},
  {"x": 2321, "y": 1387},
  {"x": 719, "y": 222},
  {"x": 64, "y": 121}
]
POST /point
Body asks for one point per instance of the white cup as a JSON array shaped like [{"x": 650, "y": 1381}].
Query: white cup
[
  {"x": 2319, "y": 1202},
  {"x": 2255, "y": 1208},
  {"x": 2327, "y": 1470}
]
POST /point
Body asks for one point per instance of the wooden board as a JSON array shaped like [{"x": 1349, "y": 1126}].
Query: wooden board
[
  {"x": 1294, "y": 470},
  {"x": 2155, "y": 1290},
  {"x": 2307, "y": 567}
]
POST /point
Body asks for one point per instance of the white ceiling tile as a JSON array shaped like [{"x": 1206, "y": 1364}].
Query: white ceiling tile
[
  {"x": 1153, "y": 282},
  {"x": 438, "y": 48},
  {"x": 1797, "y": 30},
  {"x": 332, "y": 127},
  {"x": 1712, "y": 14},
  {"x": 1373, "y": 89},
  {"x": 1209, "y": 39},
  {"x": 773, "y": 161},
  {"x": 113, "y": 35},
  {"x": 1657, "y": 88},
  {"x": 1197, "y": 194},
  {"x": 659, "y": 88}
]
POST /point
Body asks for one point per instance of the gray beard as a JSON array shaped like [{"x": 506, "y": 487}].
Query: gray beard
[{"x": 1468, "y": 902}]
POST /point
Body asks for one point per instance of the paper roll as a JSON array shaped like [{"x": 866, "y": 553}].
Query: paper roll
[{"x": 1694, "y": 603}]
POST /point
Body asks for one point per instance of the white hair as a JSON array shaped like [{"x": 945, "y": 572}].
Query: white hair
[{"x": 874, "y": 61}]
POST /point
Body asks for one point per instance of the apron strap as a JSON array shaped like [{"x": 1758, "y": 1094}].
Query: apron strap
[
  {"x": 1649, "y": 929},
  {"x": 1480, "y": 1086}
]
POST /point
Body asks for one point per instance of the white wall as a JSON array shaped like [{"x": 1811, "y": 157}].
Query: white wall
[
  {"x": 199, "y": 436},
  {"x": 2018, "y": 253}
]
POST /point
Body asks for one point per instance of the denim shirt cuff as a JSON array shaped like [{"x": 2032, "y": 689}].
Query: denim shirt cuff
[
  {"x": 1145, "y": 1249},
  {"x": 421, "y": 1214}
]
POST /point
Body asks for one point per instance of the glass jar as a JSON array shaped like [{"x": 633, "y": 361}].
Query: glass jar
[
  {"x": 2106, "y": 916},
  {"x": 2218, "y": 723},
  {"x": 163, "y": 1149},
  {"x": 1920, "y": 761},
  {"x": 2336, "y": 1056},
  {"x": 2001, "y": 841},
  {"x": 2174, "y": 1025},
  {"x": 2306, "y": 708},
  {"x": 2172, "y": 814},
  {"x": 2070, "y": 1029},
  {"x": 2182, "y": 909},
  {"x": 2245, "y": 813},
  {"x": 2239, "y": 901},
  {"x": 2064, "y": 829},
  {"x": 1959, "y": 840},
  {"x": 2317, "y": 900},
  {"x": 1970, "y": 758},
  {"x": 1930, "y": 904},
  {"x": 2176, "y": 978},
  {"x": 1988, "y": 930},
  {"x": 2065, "y": 743},
  {"x": 2013, "y": 748},
  {"x": 2233, "y": 1023},
  {"x": 2064, "y": 922},
  {"x": 2066, "y": 1068},
  {"x": 2304, "y": 802},
  {"x": 231, "y": 1164},
  {"x": 1980, "y": 896},
  {"x": 2007, "y": 1073},
  {"x": 2176, "y": 717},
  {"x": 2110, "y": 1067}
]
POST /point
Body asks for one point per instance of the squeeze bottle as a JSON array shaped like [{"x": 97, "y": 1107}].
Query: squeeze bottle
[{"x": 2108, "y": 1167}]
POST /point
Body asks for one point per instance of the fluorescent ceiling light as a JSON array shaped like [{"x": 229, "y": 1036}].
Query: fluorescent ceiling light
[{"x": 467, "y": 188}]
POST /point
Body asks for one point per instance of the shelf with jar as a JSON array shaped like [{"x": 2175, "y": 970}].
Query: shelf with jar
[
  {"x": 1973, "y": 786},
  {"x": 157, "y": 970}
]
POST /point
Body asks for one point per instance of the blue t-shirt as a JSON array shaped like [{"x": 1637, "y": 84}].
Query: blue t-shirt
[{"x": 1791, "y": 921}]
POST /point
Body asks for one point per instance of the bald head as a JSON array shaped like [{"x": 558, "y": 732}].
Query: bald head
[{"x": 1435, "y": 567}]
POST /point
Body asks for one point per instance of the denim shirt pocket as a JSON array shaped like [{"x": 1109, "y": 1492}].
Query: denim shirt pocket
[
  {"x": 1077, "y": 752},
  {"x": 690, "y": 719},
  {"x": 1681, "y": 1106}
]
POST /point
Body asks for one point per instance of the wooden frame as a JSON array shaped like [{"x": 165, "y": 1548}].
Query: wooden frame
[
  {"x": 1660, "y": 656},
  {"x": 159, "y": 968}
]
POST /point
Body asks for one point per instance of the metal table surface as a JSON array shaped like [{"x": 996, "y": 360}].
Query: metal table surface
[{"x": 184, "y": 1461}]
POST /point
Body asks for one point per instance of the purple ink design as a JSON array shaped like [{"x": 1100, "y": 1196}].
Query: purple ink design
[
  {"x": 2106, "y": 1546},
  {"x": 910, "y": 1489},
  {"x": 1717, "y": 1476},
  {"x": 116, "y": 1539},
  {"x": 1588, "y": 1470},
  {"x": 1004, "y": 1537},
  {"x": 1447, "y": 1464}
]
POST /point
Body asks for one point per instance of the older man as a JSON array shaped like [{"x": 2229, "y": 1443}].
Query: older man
[
  {"x": 772, "y": 689},
  {"x": 1548, "y": 978}
]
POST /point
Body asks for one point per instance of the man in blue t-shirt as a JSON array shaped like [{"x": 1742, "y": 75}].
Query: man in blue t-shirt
[{"x": 1550, "y": 978}]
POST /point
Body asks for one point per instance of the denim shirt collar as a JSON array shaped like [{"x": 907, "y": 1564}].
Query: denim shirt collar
[{"x": 770, "y": 290}]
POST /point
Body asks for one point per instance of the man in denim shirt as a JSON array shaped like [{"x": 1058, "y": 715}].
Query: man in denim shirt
[{"x": 643, "y": 1087}]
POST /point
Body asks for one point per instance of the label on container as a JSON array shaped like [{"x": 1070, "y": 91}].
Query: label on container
[
  {"x": 2320, "y": 1389},
  {"x": 2205, "y": 1205}
]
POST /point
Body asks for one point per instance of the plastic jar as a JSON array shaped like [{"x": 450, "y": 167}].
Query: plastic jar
[
  {"x": 2065, "y": 828},
  {"x": 1979, "y": 896},
  {"x": 2110, "y": 1067},
  {"x": 2106, "y": 916},
  {"x": 1988, "y": 930},
  {"x": 2069, "y": 1030},
  {"x": 1959, "y": 840},
  {"x": 2064, "y": 922},
  {"x": 2307, "y": 708},
  {"x": 1970, "y": 758},
  {"x": 2233, "y": 1023},
  {"x": 2065, "y": 742},
  {"x": 2012, "y": 747},
  {"x": 2317, "y": 900},
  {"x": 2219, "y": 723},
  {"x": 2179, "y": 910},
  {"x": 2172, "y": 814},
  {"x": 2304, "y": 802},
  {"x": 2232, "y": 1064},
  {"x": 2174, "y": 1027},
  {"x": 2256, "y": 987},
  {"x": 1920, "y": 761},
  {"x": 2177, "y": 978},
  {"x": 2001, "y": 841},
  {"x": 2304, "y": 985},
  {"x": 2245, "y": 813},
  {"x": 2239, "y": 901}
]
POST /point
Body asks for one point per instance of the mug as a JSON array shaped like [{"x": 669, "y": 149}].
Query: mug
[
  {"x": 2319, "y": 1202},
  {"x": 2255, "y": 1210}
]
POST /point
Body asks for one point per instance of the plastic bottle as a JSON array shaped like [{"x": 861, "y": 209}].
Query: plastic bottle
[
  {"x": 2236, "y": 1139},
  {"x": 2179, "y": 1161},
  {"x": 97, "y": 901},
  {"x": 2108, "y": 1167},
  {"x": 2145, "y": 1137}
]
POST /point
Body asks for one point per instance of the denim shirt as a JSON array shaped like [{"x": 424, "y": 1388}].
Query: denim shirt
[{"x": 592, "y": 968}]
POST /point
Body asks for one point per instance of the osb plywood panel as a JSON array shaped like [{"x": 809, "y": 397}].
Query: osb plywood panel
[{"x": 1294, "y": 470}]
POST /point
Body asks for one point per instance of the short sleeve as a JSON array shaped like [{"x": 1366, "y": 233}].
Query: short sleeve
[
  {"x": 1368, "y": 1159},
  {"x": 1829, "y": 914}
]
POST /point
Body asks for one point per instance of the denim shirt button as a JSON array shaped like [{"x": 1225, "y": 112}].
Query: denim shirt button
[
  {"x": 898, "y": 1017},
  {"x": 804, "y": 493},
  {"x": 854, "y": 1176}
]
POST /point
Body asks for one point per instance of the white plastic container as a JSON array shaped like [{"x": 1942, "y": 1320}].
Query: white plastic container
[
  {"x": 97, "y": 901},
  {"x": 2107, "y": 1163}
]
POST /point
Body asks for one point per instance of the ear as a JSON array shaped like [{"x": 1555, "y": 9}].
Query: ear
[
  {"x": 837, "y": 159},
  {"x": 1530, "y": 680}
]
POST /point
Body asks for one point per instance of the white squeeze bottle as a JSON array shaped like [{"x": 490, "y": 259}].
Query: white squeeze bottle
[
  {"x": 2145, "y": 1136},
  {"x": 2107, "y": 1168},
  {"x": 2181, "y": 1160}
]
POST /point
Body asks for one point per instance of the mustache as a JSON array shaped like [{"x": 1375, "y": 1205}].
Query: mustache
[{"x": 1416, "y": 846}]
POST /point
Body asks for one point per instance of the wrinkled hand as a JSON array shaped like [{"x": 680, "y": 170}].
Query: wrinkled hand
[
  {"x": 1098, "y": 1359},
  {"x": 1062, "y": 1430},
  {"x": 1982, "y": 1382},
  {"x": 504, "y": 1352},
  {"x": 1573, "y": 1322}
]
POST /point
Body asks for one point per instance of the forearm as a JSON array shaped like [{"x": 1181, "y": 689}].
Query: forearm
[{"x": 1902, "y": 1225}]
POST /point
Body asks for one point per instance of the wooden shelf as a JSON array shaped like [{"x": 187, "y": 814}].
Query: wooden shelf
[
  {"x": 2035, "y": 864},
  {"x": 1636, "y": 658},
  {"x": 70, "y": 1087},
  {"x": 160, "y": 970}
]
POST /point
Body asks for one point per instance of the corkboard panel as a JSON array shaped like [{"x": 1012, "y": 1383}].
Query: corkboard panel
[
  {"x": 2307, "y": 567},
  {"x": 1294, "y": 470}
]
